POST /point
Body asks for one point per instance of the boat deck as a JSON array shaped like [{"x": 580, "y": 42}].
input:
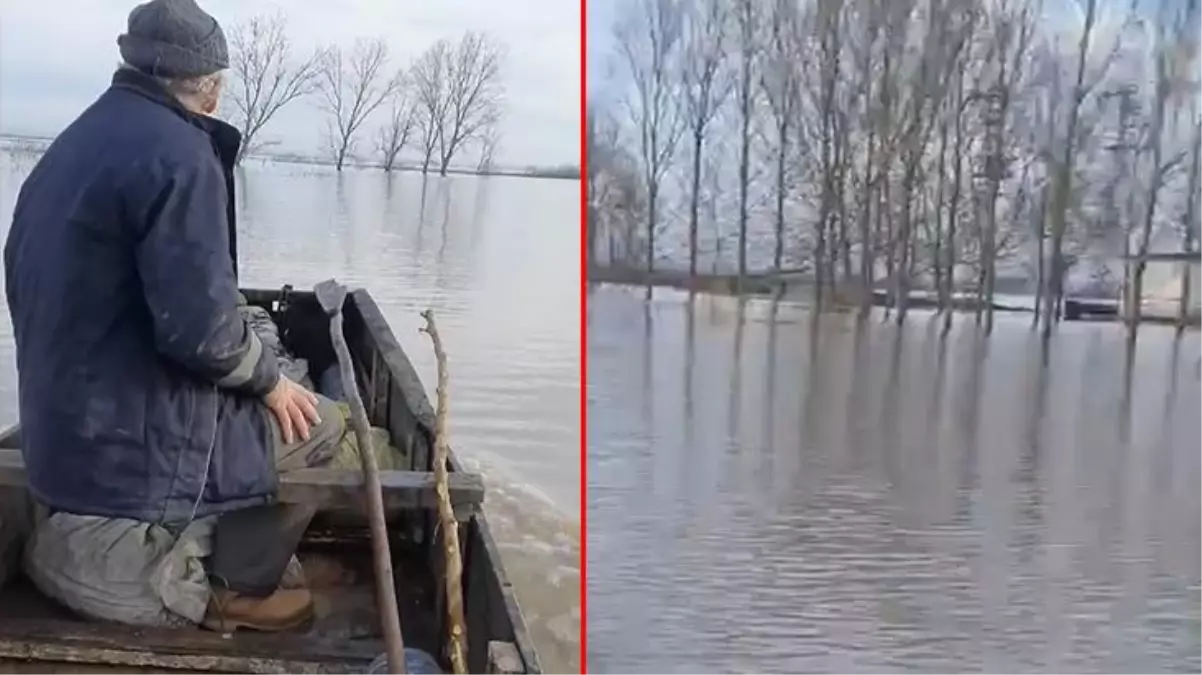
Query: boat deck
[{"x": 345, "y": 629}]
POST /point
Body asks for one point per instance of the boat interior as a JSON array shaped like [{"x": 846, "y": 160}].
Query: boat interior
[{"x": 38, "y": 635}]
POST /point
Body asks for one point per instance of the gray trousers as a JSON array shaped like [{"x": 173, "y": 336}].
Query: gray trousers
[{"x": 252, "y": 547}]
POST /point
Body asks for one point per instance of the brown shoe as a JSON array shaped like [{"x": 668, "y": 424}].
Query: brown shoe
[{"x": 283, "y": 610}]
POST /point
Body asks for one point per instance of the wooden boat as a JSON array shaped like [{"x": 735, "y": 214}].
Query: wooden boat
[{"x": 37, "y": 635}]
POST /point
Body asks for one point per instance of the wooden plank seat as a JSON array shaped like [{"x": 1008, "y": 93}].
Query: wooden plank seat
[{"x": 335, "y": 489}]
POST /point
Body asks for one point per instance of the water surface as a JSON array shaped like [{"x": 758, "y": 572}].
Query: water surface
[
  {"x": 770, "y": 493},
  {"x": 496, "y": 258}
]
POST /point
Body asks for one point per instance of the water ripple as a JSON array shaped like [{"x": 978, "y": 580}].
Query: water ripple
[{"x": 783, "y": 496}]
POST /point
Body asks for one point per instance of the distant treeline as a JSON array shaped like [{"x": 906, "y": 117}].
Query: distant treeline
[
  {"x": 35, "y": 145},
  {"x": 565, "y": 171},
  {"x": 905, "y": 144},
  {"x": 440, "y": 107}
]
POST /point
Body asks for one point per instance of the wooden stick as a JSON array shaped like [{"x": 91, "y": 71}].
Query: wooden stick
[
  {"x": 446, "y": 515},
  {"x": 331, "y": 295}
]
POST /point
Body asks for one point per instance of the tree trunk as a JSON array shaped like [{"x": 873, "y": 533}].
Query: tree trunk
[
  {"x": 866, "y": 243},
  {"x": 652, "y": 206},
  {"x": 1064, "y": 180},
  {"x": 744, "y": 148},
  {"x": 694, "y": 203},
  {"x": 781, "y": 154},
  {"x": 1187, "y": 238},
  {"x": 341, "y": 158},
  {"x": 1040, "y": 281},
  {"x": 941, "y": 181},
  {"x": 902, "y": 279},
  {"x": 1154, "y": 137},
  {"x": 884, "y": 218},
  {"x": 953, "y": 209},
  {"x": 841, "y": 201},
  {"x": 997, "y": 172}
]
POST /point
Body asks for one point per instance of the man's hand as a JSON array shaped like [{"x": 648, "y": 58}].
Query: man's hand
[{"x": 295, "y": 408}]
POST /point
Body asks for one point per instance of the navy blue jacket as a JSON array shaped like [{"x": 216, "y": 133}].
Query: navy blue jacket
[{"x": 139, "y": 381}]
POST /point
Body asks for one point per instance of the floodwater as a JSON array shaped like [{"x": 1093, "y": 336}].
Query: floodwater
[
  {"x": 497, "y": 260},
  {"x": 772, "y": 494}
]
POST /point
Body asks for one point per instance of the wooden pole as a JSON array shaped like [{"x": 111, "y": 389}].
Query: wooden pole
[
  {"x": 446, "y": 515},
  {"x": 331, "y": 294}
]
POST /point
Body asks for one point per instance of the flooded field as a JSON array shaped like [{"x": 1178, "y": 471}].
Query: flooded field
[{"x": 772, "y": 493}]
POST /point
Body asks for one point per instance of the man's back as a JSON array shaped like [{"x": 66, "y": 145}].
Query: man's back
[
  {"x": 146, "y": 399},
  {"x": 70, "y": 260},
  {"x": 118, "y": 255}
]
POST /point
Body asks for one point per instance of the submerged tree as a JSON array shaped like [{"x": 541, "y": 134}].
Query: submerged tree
[
  {"x": 459, "y": 93},
  {"x": 489, "y": 140},
  {"x": 704, "y": 88},
  {"x": 780, "y": 79},
  {"x": 351, "y": 87},
  {"x": 746, "y": 16},
  {"x": 616, "y": 202},
  {"x": 649, "y": 42},
  {"x": 430, "y": 77},
  {"x": 266, "y": 76},
  {"x": 394, "y": 135},
  {"x": 474, "y": 95}
]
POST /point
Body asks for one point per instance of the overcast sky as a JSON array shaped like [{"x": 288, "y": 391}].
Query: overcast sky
[
  {"x": 601, "y": 17},
  {"x": 56, "y": 57}
]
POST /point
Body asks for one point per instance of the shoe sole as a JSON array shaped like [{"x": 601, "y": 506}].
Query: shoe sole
[{"x": 231, "y": 625}]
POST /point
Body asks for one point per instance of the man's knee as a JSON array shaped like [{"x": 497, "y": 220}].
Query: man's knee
[
  {"x": 332, "y": 424},
  {"x": 324, "y": 439}
]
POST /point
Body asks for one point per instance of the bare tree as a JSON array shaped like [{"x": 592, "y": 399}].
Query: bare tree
[
  {"x": 1189, "y": 225},
  {"x": 489, "y": 139},
  {"x": 459, "y": 92},
  {"x": 1048, "y": 120},
  {"x": 430, "y": 78},
  {"x": 649, "y": 42},
  {"x": 746, "y": 17},
  {"x": 473, "y": 94},
  {"x": 704, "y": 90},
  {"x": 865, "y": 60},
  {"x": 1064, "y": 173},
  {"x": 351, "y": 88},
  {"x": 394, "y": 135},
  {"x": 1014, "y": 32},
  {"x": 779, "y": 79},
  {"x": 827, "y": 26},
  {"x": 597, "y": 151},
  {"x": 1166, "y": 46},
  {"x": 1118, "y": 216},
  {"x": 266, "y": 76},
  {"x": 615, "y": 199},
  {"x": 916, "y": 125}
]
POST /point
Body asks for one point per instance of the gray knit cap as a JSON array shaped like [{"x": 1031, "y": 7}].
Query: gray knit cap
[{"x": 174, "y": 38}]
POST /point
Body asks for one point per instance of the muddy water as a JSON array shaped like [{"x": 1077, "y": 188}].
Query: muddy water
[
  {"x": 771, "y": 494},
  {"x": 496, "y": 260}
]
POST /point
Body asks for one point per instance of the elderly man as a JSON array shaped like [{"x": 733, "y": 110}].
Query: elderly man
[{"x": 147, "y": 403}]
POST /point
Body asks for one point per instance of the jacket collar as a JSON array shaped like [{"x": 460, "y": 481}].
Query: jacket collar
[{"x": 226, "y": 139}]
